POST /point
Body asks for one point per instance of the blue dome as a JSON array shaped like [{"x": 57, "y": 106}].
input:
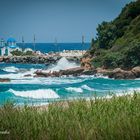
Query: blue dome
[{"x": 11, "y": 40}]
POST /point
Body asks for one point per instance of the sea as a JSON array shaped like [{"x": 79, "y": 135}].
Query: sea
[
  {"x": 53, "y": 47},
  {"x": 41, "y": 91}
]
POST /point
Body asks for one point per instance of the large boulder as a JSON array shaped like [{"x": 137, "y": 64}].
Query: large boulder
[
  {"x": 72, "y": 71},
  {"x": 89, "y": 72},
  {"x": 41, "y": 74},
  {"x": 121, "y": 74},
  {"x": 136, "y": 71}
]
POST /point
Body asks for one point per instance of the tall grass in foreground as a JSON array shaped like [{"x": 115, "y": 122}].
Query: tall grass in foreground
[{"x": 102, "y": 119}]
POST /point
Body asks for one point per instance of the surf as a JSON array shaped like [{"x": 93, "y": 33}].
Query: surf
[{"x": 36, "y": 94}]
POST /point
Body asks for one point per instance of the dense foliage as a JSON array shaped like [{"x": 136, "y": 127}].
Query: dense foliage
[
  {"x": 21, "y": 53},
  {"x": 118, "y": 42},
  {"x": 100, "y": 119}
]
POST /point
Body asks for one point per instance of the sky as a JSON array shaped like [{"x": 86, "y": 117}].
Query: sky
[{"x": 66, "y": 20}]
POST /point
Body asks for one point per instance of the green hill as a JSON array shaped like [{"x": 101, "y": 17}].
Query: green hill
[{"x": 118, "y": 42}]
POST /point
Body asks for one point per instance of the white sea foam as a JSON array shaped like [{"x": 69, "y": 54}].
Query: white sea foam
[
  {"x": 62, "y": 64},
  {"x": 74, "y": 89},
  {"x": 87, "y": 88},
  {"x": 94, "y": 76},
  {"x": 20, "y": 75},
  {"x": 37, "y": 94},
  {"x": 11, "y": 69}
]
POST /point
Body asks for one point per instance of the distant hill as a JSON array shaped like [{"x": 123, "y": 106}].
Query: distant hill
[{"x": 118, "y": 42}]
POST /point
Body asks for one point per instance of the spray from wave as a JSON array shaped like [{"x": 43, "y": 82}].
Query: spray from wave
[
  {"x": 62, "y": 64},
  {"x": 36, "y": 94}
]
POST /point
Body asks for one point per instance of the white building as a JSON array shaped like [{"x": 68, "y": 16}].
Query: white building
[
  {"x": 7, "y": 48},
  {"x": 2, "y": 47}
]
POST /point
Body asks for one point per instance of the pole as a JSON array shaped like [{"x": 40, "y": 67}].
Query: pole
[
  {"x": 34, "y": 42},
  {"x": 83, "y": 38}
]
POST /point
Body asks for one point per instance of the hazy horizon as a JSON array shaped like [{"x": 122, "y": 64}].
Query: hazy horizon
[{"x": 49, "y": 19}]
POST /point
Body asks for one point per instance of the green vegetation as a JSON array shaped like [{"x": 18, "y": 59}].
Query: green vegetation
[
  {"x": 100, "y": 119},
  {"x": 17, "y": 53},
  {"x": 118, "y": 42},
  {"x": 21, "y": 53}
]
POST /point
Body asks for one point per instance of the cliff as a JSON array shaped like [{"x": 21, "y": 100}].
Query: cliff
[{"x": 118, "y": 42}]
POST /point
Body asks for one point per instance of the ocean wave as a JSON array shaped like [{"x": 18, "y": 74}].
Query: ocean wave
[
  {"x": 74, "y": 89},
  {"x": 10, "y": 69},
  {"x": 62, "y": 64},
  {"x": 37, "y": 94},
  {"x": 96, "y": 76},
  {"x": 87, "y": 88}
]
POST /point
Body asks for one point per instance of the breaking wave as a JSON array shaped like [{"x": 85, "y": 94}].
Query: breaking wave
[
  {"x": 37, "y": 94},
  {"x": 10, "y": 69},
  {"x": 74, "y": 89},
  {"x": 62, "y": 64},
  {"x": 87, "y": 88}
]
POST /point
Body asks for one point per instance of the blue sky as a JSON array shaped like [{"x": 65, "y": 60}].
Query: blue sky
[{"x": 66, "y": 20}]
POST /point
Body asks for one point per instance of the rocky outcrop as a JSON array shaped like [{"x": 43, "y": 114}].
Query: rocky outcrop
[
  {"x": 36, "y": 59},
  {"x": 86, "y": 63},
  {"x": 30, "y": 59},
  {"x": 72, "y": 71},
  {"x": 121, "y": 74},
  {"x": 3, "y": 80},
  {"x": 117, "y": 73},
  {"x": 136, "y": 71}
]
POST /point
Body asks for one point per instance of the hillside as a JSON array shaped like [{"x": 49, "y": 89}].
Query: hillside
[{"x": 118, "y": 42}]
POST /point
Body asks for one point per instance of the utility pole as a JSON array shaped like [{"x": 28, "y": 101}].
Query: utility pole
[
  {"x": 55, "y": 43},
  {"x": 83, "y": 42},
  {"x": 34, "y": 42},
  {"x": 23, "y": 43}
]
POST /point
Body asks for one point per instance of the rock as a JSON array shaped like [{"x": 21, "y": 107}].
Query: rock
[
  {"x": 136, "y": 71},
  {"x": 73, "y": 71},
  {"x": 27, "y": 75},
  {"x": 4, "y": 80},
  {"x": 89, "y": 72},
  {"x": 103, "y": 71},
  {"x": 86, "y": 63},
  {"x": 1, "y": 59},
  {"x": 41, "y": 74},
  {"x": 121, "y": 74}
]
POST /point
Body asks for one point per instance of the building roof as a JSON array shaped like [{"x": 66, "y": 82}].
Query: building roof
[
  {"x": 11, "y": 40},
  {"x": 12, "y": 47}
]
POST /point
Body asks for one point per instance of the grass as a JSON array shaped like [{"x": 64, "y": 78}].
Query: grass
[{"x": 100, "y": 119}]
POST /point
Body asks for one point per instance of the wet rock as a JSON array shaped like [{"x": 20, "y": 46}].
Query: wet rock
[
  {"x": 3, "y": 80},
  {"x": 27, "y": 75},
  {"x": 136, "y": 71},
  {"x": 72, "y": 71},
  {"x": 41, "y": 74},
  {"x": 121, "y": 74},
  {"x": 89, "y": 72}
]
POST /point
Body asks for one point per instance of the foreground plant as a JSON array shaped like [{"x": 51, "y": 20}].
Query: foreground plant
[{"x": 101, "y": 119}]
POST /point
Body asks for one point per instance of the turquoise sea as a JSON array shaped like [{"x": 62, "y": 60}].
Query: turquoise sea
[{"x": 39, "y": 91}]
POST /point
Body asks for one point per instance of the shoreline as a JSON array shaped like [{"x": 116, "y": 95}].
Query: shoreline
[
  {"x": 64, "y": 102},
  {"x": 117, "y": 73}
]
